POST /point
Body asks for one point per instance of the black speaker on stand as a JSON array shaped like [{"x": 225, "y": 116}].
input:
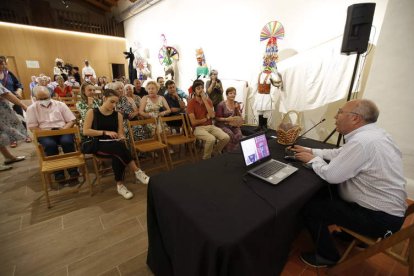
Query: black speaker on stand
[{"x": 355, "y": 40}]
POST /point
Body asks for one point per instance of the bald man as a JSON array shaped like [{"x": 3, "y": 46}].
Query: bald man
[
  {"x": 367, "y": 194},
  {"x": 49, "y": 114}
]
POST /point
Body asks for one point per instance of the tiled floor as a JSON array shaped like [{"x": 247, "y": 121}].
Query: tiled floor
[{"x": 99, "y": 235}]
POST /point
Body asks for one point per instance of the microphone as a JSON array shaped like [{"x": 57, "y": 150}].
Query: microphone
[{"x": 300, "y": 136}]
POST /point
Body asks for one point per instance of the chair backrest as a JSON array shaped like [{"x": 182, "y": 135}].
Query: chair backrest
[
  {"x": 151, "y": 123},
  {"x": 190, "y": 127},
  {"x": 69, "y": 101},
  {"x": 181, "y": 123},
  {"x": 48, "y": 133}
]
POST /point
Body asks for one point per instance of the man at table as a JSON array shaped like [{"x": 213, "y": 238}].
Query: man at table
[
  {"x": 201, "y": 113},
  {"x": 49, "y": 114},
  {"x": 370, "y": 197}
]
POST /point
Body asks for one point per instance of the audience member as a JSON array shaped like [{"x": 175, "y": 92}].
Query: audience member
[
  {"x": 201, "y": 113},
  {"x": 161, "y": 87},
  {"x": 11, "y": 83},
  {"x": 11, "y": 128},
  {"x": 60, "y": 69},
  {"x": 72, "y": 82},
  {"x": 109, "y": 126},
  {"x": 42, "y": 80},
  {"x": 369, "y": 196},
  {"x": 153, "y": 105},
  {"x": 61, "y": 90},
  {"x": 138, "y": 89},
  {"x": 175, "y": 102},
  {"x": 88, "y": 71},
  {"x": 33, "y": 83},
  {"x": 49, "y": 114},
  {"x": 133, "y": 101},
  {"x": 76, "y": 74},
  {"x": 229, "y": 119},
  {"x": 214, "y": 88},
  {"x": 89, "y": 99}
]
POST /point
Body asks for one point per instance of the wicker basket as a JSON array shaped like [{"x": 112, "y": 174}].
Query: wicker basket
[{"x": 287, "y": 132}]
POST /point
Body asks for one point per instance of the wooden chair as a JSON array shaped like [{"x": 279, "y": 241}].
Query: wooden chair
[
  {"x": 404, "y": 237},
  {"x": 199, "y": 144},
  {"x": 181, "y": 137},
  {"x": 71, "y": 103},
  {"x": 100, "y": 169},
  {"x": 51, "y": 164},
  {"x": 152, "y": 144}
]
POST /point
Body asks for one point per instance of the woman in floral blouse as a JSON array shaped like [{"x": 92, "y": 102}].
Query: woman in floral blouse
[{"x": 90, "y": 98}]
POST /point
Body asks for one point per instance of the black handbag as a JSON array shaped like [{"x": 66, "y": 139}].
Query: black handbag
[{"x": 90, "y": 145}]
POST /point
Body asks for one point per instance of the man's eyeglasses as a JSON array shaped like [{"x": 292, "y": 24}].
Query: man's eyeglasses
[{"x": 340, "y": 111}]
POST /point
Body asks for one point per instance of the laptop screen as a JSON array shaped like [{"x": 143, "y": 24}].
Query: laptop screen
[{"x": 254, "y": 149}]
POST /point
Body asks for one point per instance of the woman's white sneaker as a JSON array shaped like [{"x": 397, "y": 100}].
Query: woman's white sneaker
[
  {"x": 142, "y": 177},
  {"x": 123, "y": 191}
]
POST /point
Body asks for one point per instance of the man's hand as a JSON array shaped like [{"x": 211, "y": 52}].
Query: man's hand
[
  {"x": 297, "y": 149},
  {"x": 304, "y": 156},
  {"x": 301, "y": 153}
]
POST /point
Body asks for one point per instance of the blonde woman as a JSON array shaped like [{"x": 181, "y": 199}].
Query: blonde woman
[{"x": 153, "y": 105}]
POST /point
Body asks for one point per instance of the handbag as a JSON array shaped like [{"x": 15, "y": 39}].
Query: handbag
[
  {"x": 91, "y": 144},
  {"x": 263, "y": 88}
]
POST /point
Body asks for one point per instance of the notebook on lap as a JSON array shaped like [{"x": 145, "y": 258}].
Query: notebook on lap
[{"x": 256, "y": 155}]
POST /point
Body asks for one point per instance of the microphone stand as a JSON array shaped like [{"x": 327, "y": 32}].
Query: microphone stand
[
  {"x": 347, "y": 99},
  {"x": 300, "y": 136}
]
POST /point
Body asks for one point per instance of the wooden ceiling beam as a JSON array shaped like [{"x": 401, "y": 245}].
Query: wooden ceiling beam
[{"x": 99, "y": 5}]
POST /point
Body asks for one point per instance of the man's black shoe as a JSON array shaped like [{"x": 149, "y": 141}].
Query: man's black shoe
[{"x": 316, "y": 260}]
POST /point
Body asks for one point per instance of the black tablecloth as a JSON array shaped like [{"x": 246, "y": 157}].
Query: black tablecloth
[{"x": 210, "y": 218}]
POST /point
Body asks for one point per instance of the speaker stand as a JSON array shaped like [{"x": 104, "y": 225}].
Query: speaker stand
[{"x": 338, "y": 142}]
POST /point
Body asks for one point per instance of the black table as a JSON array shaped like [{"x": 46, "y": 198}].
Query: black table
[{"x": 210, "y": 218}]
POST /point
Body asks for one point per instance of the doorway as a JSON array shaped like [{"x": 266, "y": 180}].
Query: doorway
[{"x": 118, "y": 70}]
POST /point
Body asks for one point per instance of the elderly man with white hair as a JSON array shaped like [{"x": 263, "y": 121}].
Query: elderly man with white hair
[{"x": 49, "y": 114}]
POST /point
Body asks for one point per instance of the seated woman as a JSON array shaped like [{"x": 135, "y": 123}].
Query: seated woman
[
  {"x": 129, "y": 104},
  {"x": 228, "y": 118},
  {"x": 109, "y": 127},
  {"x": 153, "y": 105},
  {"x": 214, "y": 89},
  {"x": 89, "y": 99},
  {"x": 61, "y": 90}
]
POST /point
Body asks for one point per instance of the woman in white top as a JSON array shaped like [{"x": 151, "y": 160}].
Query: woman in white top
[{"x": 153, "y": 105}]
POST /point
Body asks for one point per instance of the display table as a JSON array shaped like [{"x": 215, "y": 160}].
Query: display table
[{"x": 210, "y": 218}]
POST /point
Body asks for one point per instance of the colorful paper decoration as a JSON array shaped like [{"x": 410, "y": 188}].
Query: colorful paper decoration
[
  {"x": 167, "y": 54},
  {"x": 272, "y": 29}
]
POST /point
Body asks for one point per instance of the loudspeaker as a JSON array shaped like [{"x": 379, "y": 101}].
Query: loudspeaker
[{"x": 357, "y": 28}]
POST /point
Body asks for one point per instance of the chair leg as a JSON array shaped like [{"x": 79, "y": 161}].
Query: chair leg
[
  {"x": 167, "y": 160},
  {"x": 347, "y": 251},
  {"x": 411, "y": 257},
  {"x": 87, "y": 179},
  {"x": 46, "y": 188},
  {"x": 97, "y": 174}
]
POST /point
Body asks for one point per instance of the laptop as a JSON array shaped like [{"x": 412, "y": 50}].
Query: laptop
[{"x": 256, "y": 155}]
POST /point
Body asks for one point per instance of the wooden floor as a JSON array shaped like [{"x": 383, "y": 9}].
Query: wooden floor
[{"x": 99, "y": 235}]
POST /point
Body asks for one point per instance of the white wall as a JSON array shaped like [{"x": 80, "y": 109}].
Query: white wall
[
  {"x": 229, "y": 31},
  {"x": 390, "y": 82}
]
